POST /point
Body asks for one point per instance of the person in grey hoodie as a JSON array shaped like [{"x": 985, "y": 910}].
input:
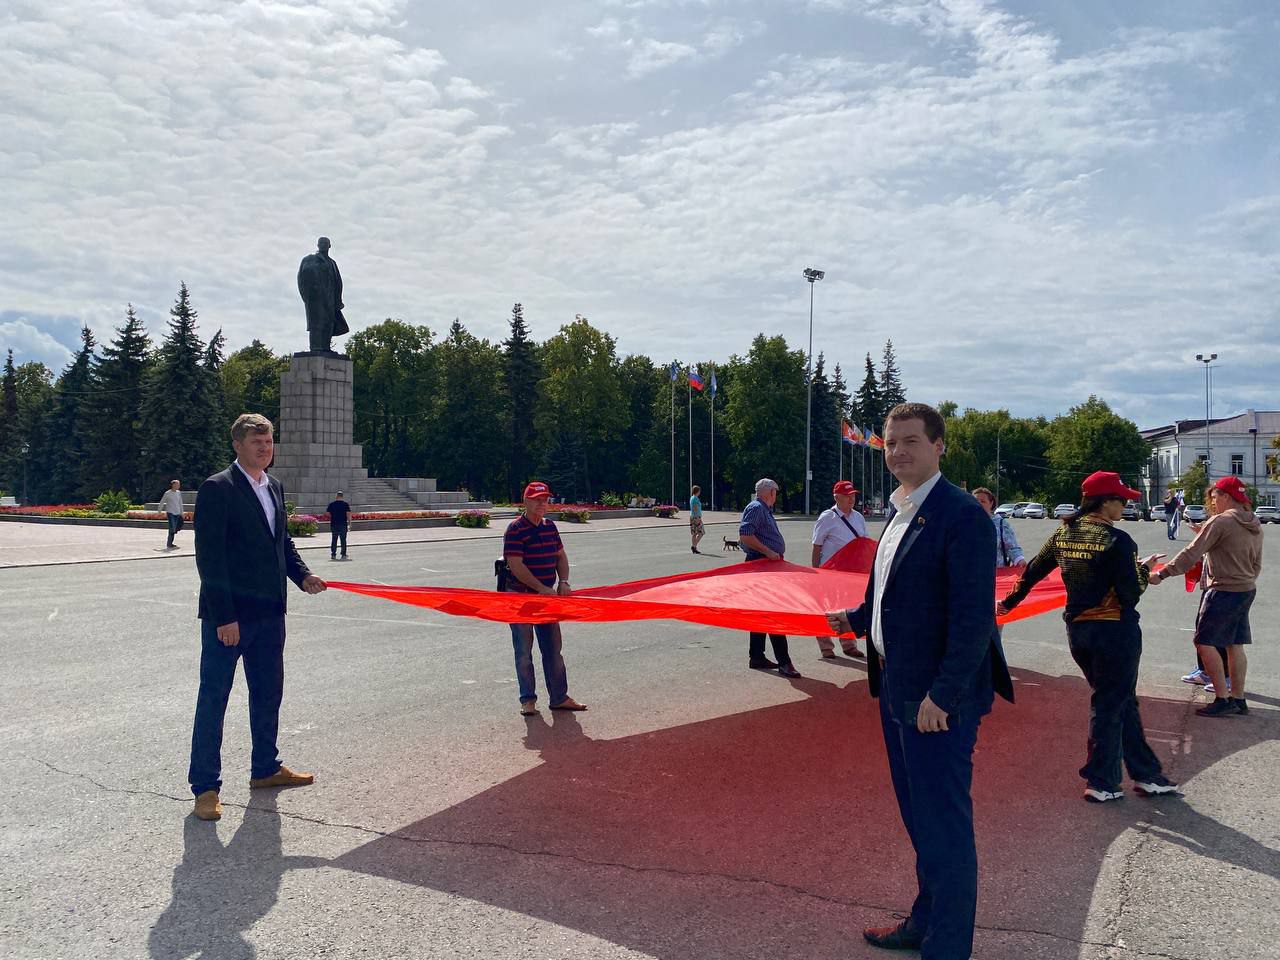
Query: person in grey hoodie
[{"x": 1231, "y": 544}]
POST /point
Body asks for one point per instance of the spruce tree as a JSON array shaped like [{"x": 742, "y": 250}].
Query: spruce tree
[
  {"x": 220, "y": 419},
  {"x": 10, "y": 438},
  {"x": 68, "y": 426},
  {"x": 892, "y": 392},
  {"x": 520, "y": 378},
  {"x": 177, "y": 420},
  {"x": 113, "y": 437},
  {"x": 867, "y": 405},
  {"x": 825, "y": 438}
]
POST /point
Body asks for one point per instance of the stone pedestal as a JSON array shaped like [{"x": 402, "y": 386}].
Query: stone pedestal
[{"x": 315, "y": 457}]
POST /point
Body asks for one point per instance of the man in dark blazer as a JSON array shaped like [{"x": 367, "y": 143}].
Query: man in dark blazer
[
  {"x": 934, "y": 661},
  {"x": 244, "y": 554}
]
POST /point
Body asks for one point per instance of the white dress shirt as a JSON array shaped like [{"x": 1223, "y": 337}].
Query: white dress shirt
[
  {"x": 831, "y": 532},
  {"x": 907, "y": 506},
  {"x": 262, "y": 488}
]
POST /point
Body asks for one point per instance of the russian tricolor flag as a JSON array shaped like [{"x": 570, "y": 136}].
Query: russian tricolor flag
[{"x": 695, "y": 380}]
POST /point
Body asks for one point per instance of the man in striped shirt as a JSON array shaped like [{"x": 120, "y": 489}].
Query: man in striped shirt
[{"x": 536, "y": 558}]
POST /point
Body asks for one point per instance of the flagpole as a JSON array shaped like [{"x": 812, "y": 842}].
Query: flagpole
[
  {"x": 839, "y": 445},
  {"x": 713, "y": 443},
  {"x": 673, "y": 439},
  {"x": 689, "y": 386}
]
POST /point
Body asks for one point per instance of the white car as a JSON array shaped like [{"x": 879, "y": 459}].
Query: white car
[
  {"x": 1019, "y": 507},
  {"x": 1063, "y": 510},
  {"x": 1034, "y": 511},
  {"x": 1267, "y": 514},
  {"x": 1195, "y": 513},
  {"x": 1006, "y": 509},
  {"x": 1157, "y": 512}
]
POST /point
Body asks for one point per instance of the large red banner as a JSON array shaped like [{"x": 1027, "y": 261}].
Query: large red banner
[{"x": 772, "y": 596}]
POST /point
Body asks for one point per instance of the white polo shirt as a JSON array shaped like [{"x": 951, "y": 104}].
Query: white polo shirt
[
  {"x": 907, "y": 505},
  {"x": 831, "y": 533},
  {"x": 262, "y": 489}
]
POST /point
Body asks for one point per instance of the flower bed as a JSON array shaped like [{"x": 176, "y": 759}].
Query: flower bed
[
  {"x": 473, "y": 518},
  {"x": 302, "y": 525},
  {"x": 398, "y": 515},
  {"x": 50, "y": 510},
  {"x": 575, "y": 514},
  {"x": 666, "y": 510},
  {"x": 188, "y": 516}
]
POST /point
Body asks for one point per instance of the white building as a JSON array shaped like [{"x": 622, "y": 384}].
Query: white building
[{"x": 1233, "y": 446}]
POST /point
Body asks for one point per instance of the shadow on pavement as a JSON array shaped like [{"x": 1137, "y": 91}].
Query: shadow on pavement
[
  {"x": 219, "y": 892},
  {"x": 774, "y": 832}
]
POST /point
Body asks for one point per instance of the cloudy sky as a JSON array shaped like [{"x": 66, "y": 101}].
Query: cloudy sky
[{"x": 1035, "y": 200}]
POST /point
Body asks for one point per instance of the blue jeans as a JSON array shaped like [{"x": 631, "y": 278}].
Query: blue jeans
[
  {"x": 553, "y": 671},
  {"x": 175, "y": 521},
  {"x": 262, "y": 647},
  {"x": 338, "y": 535},
  {"x": 1171, "y": 523}
]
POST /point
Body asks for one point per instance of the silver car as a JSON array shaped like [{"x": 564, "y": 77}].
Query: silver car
[
  {"x": 1034, "y": 511},
  {"x": 1006, "y": 509},
  {"x": 1195, "y": 513},
  {"x": 1063, "y": 510},
  {"x": 1157, "y": 512},
  {"x": 1267, "y": 514}
]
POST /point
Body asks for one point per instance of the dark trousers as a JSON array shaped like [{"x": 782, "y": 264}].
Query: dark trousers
[
  {"x": 1108, "y": 652},
  {"x": 337, "y": 534},
  {"x": 175, "y": 523},
  {"x": 262, "y": 647},
  {"x": 932, "y": 775},
  {"x": 779, "y": 641}
]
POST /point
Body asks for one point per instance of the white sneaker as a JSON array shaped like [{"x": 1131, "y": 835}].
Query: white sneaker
[
  {"x": 1095, "y": 795},
  {"x": 1210, "y": 688},
  {"x": 1198, "y": 677}
]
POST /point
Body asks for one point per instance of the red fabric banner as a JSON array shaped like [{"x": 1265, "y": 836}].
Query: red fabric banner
[{"x": 772, "y": 596}]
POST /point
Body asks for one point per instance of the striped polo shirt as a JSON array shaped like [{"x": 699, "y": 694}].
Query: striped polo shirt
[{"x": 537, "y": 546}]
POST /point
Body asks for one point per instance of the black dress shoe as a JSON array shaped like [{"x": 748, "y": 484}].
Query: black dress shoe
[
  {"x": 892, "y": 938},
  {"x": 762, "y": 663}
]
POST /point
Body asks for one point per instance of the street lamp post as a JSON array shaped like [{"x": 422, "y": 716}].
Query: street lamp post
[
  {"x": 26, "y": 449},
  {"x": 811, "y": 275},
  {"x": 1208, "y": 447}
]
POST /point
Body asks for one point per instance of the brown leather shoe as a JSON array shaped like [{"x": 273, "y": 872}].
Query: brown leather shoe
[
  {"x": 284, "y": 777},
  {"x": 208, "y": 806},
  {"x": 892, "y": 938}
]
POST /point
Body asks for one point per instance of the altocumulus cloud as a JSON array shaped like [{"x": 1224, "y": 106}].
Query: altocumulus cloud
[{"x": 1000, "y": 193}]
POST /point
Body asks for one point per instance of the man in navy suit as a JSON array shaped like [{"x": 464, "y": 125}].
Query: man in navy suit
[
  {"x": 934, "y": 661},
  {"x": 244, "y": 554}
]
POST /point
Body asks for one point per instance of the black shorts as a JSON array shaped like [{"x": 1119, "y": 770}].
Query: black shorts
[{"x": 1223, "y": 618}]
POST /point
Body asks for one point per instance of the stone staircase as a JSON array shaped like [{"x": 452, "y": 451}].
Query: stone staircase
[{"x": 385, "y": 494}]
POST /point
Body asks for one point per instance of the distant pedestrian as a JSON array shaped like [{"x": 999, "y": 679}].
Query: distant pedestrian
[
  {"x": 696, "y": 530},
  {"x": 1231, "y": 544},
  {"x": 1172, "y": 514},
  {"x": 339, "y": 516},
  {"x": 535, "y": 559},
  {"x": 762, "y": 540},
  {"x": 836, "y": 528},
  {"x": 171, "y": 504},
  {"x": 1008, "y": 552}
]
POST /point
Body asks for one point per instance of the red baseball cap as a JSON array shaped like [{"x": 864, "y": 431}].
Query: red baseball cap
[
  {"x": 1104, "y": 483},
  {"x": 536, "y": 490},
  {"x": 1233, "y": 486},
  {"x": 844, "y": 487}
]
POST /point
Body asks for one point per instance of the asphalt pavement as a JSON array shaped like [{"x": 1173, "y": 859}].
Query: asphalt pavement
[{"x": 697, "y": 811}]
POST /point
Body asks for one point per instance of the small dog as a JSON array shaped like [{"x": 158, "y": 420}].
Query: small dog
[{"x": 731, "y": 545}]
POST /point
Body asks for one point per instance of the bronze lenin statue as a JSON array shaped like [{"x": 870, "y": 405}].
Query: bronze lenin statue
[{"x": 320, "y": 285}]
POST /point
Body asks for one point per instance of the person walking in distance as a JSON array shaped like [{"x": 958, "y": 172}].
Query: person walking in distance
[
  {"x": 696, "y": 529},
  {"x": 1104, "y": 580},
  {"x": 171, "y": 504},
  {"x": 1231, "y": 544},
  {"x": 244, "y": 554},
  {"x": 837, "y": 527},
  {"x": 339, "y": 516}
]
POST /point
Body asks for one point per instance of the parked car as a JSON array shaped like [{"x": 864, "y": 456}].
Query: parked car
[
  {"x": 1132, "y": 510},
  {"x": 1267, "y": 514},
  {"x": 1195, "y": 513},
  {"x": 1157, "y": 512},
  {"x": 1006, "y": 509},
  {"x": 1063, "y": 510},
  {"x": 1035, "y": 511},
  {"x": 1020, "y": 507}
]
